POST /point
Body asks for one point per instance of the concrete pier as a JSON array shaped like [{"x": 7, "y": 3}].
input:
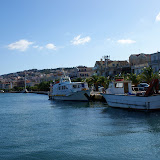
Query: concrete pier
[{"x": 96, "y": 96}]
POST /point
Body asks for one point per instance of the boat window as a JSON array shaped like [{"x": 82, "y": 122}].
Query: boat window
[
  {"x": 74, "y": 86},
  {"x": 65, "y": 87},
  {"x": 66, "y": 80},
  {"x": 118, "y": 85},
  {"x": 82, "y": 84},
  {"x": 59, "y": 88}
]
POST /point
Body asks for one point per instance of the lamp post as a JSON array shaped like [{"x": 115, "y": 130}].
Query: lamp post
[{"x": 106, "y": 58}]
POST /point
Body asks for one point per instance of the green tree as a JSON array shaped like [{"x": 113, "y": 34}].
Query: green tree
[
  {"x": 44, "y": 86},
  {"x": 15, "y": 88},
  {"x": 94, "y": 79},
  {"x": 134, "y": 78},
  {"x": 147, "y": 75},
  {"x": 89, "y": 81},
  {"x": 34, "y": 88},
  {"x": 77, "y": 80},
  {"x": 103, "y": 81}
]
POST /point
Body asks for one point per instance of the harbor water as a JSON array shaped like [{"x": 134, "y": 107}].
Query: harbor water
[{"x": 35, "y": 128}]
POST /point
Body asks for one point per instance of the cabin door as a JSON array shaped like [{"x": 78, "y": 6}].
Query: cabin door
[{"x": 125, "y": 87}]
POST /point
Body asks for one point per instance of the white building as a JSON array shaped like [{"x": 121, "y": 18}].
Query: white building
[
  {"x": 138, "y": 62},
  {"x": 155, "y": 62}
]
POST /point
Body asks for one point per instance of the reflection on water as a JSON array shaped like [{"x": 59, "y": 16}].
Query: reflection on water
[
  {"x": 33, "y": 127},
  {"x": 76, "y": 104}
]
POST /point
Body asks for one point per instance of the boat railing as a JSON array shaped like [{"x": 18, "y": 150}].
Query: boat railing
[
  {"x": 139, "y": 91},
  {"x": 135, "y": 89}
]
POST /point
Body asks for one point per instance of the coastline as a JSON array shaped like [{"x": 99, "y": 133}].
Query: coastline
[
  {"x": 36, "y": 92},
  {"x": 95, "y": 96}
]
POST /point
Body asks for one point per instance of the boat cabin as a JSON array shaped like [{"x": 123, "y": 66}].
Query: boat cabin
[
  {"x": 65, "y": 79},
  {"x": 65, "y": 86},
  {"x": 119, "y": 87}
]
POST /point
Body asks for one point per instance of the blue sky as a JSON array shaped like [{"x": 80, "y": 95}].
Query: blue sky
[{"x": 67, "y": 33}]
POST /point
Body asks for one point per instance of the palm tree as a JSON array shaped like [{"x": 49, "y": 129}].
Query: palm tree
[
  {"x": 147, "y": 75},
  {"x": 103, "y": 81},
  {"x": 134, "y": 78},
  {"x": 89, "y": 81},
  {"x": 94, "y": 79}
]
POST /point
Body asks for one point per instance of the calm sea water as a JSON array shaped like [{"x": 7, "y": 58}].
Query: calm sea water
[{"x": 35, "y": 128}]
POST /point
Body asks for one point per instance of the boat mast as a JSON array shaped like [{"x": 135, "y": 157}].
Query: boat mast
[{"x": 25, "y": 81}]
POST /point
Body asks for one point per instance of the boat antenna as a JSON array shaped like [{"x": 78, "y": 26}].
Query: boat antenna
[
  {"x": 106, "y": 59},
  {"x": 25, "y": 81},
  {"x": 63, "y": 72}
]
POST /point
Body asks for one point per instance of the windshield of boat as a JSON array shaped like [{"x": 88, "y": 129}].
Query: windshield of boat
[
  {"x": 118, "y": 85},
  {"x": 77, "y": 86},
  {"x": 65, "y": 80}
]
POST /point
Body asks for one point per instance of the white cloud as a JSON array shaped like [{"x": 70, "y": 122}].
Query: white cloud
[
  {"x": 51, "y": 46},
  {"x": 35, "y": 46},
  {"x": 126, "y": 41},
  {"x": 38, "y": 47},
  {"x": 77, "y": 40},
  {"x": 20, "y": 45},
  {"x": 158, "y": 17}
]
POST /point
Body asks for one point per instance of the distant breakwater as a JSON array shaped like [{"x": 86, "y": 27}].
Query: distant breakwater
[{"x": 37, "y": 92}]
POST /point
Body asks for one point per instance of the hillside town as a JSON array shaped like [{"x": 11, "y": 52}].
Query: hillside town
[{"x": 104, "y": 67}]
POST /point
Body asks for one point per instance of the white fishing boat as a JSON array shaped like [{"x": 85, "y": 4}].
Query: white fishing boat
[
  {"x": 69, "y": 91},
  {"x": 120, "y": 95}
]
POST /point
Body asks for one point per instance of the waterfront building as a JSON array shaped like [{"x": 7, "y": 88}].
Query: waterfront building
[
  {"x": 155, "y": 62},
  {"x": 6, "y": 85},
  {"x": 20, "y": 83},
  {"x": 72, "y": 72},
  {"x": 99, "y": 67},
  {"x": 137, "y": 69},
  {"x": 84, "y": 72},
  {"x": 118, "y": 67},
  {"x": 30, "y": 84},
  {"x": 111, "y": 68},
  {"x": 138, "y": 62}
]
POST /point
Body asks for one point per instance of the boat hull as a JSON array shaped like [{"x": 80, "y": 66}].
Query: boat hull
[
  {"x": 133, "y": 102},
  {"x": 74, "y": 96}
]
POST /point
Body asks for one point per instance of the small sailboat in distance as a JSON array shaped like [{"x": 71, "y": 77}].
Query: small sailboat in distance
[{"x": 25, "y": 89}]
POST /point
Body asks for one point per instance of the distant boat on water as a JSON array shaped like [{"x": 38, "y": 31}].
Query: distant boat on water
[
  {"x": 69, "y": 91},
  {"x": 24, "y": 91}
]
